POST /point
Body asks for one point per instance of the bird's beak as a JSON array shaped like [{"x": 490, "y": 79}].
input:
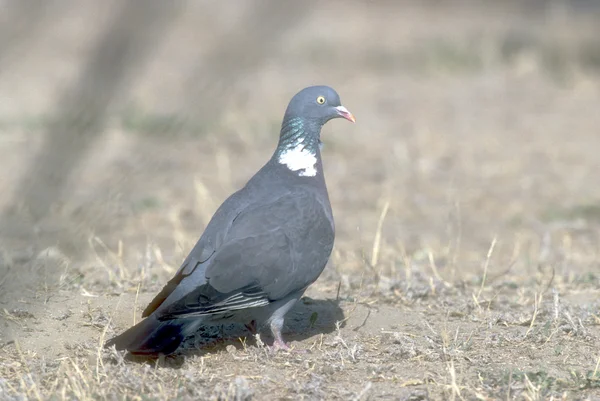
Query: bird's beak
[{"x": 343, "y": 112}]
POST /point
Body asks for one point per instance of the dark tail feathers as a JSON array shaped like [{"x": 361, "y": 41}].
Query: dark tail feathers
[{"x": 150, "y": 336}]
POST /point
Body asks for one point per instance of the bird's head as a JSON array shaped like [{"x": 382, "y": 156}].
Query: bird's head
[
  {"x": 317, "y": 104},
  {"x": 299, "y": 140}
]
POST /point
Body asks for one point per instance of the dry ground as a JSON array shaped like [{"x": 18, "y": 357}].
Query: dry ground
[{"x": 466, "y": 197}]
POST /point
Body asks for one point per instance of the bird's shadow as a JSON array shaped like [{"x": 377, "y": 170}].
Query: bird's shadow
[{"x": 308, "y": 318}]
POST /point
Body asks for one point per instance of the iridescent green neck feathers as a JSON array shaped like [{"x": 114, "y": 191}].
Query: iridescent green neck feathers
[{"x": 298, "y": 146}]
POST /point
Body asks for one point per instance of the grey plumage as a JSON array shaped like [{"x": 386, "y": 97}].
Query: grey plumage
[{"x": 263, "y": 247}]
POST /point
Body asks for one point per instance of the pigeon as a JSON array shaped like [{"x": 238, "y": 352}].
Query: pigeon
[{"x": 261, "y": 249}]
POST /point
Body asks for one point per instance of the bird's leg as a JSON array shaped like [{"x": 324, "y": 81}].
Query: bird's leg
[
  {"x": 251, "y": 327},
  {"x": 279, "y": 344},
  {"x": 221, "y": 339},
  {"x": 276, "y": 326}
]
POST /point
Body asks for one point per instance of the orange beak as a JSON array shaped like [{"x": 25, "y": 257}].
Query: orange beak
[{"x": 343, "y": 112}]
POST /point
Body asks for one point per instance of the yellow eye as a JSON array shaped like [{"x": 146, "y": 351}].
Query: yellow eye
[{"x": 320, "y": 100}]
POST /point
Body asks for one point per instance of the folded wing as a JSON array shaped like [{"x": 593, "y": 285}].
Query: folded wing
[{"x": 269, "y": 252}]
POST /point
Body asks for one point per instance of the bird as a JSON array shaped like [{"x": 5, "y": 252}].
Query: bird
[{"x": 261, "y": 249}]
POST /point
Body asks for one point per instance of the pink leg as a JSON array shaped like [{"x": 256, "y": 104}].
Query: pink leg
[{"x": 279, "y": 344}]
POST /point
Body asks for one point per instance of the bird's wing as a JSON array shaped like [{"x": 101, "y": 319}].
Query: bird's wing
[
  {"x": 199, "y": 254},
  {"x": 269, "y": 252},
  {"x": 203, "y": 250}
]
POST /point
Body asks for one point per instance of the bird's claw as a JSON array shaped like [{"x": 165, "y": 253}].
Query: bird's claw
[{"x": 280, "y": 345}]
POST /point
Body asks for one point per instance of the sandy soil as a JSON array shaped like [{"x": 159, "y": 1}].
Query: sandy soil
[{"x": 466, "y": 200}]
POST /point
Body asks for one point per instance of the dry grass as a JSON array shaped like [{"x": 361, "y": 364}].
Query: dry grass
[{"x": 467, "y": 255}]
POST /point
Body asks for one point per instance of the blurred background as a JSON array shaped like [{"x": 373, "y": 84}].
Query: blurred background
[{"x": 124, "y": 124}]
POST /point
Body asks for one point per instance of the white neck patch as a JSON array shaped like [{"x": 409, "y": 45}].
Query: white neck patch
[{"x": 299, "y": 159}]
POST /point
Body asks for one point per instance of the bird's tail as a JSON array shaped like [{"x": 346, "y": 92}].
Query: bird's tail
[{"x": 151, "y": 336}]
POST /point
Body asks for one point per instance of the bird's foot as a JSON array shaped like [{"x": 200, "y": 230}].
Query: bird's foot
[{"x": 280, "y": 345}]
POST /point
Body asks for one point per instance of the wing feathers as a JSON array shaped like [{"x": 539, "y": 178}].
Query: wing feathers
[{"x": 207, "y": 301}]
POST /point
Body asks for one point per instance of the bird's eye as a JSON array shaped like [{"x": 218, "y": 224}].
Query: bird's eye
[{"x": 320, "y": 100}]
